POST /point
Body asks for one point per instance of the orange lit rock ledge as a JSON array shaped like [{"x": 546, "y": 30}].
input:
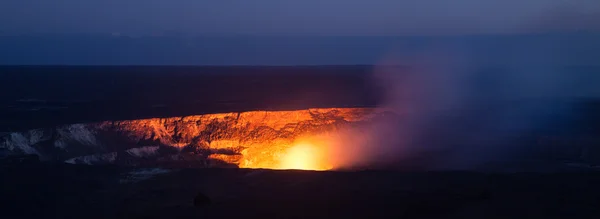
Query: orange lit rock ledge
[
  {"x": 256, "y": 139},
  {"x": 296, "y": 139}
]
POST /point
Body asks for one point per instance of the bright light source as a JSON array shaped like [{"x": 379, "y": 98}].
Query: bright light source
[{"x": 304, "y": 156}]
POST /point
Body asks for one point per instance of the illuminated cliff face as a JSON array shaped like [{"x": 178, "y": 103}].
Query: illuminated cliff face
[{"x": 299, "y": 139}]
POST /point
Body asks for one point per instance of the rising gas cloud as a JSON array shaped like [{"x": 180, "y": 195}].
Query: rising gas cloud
[{"x": 458, "y": 113}]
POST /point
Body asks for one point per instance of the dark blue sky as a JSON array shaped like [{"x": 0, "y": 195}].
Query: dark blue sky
[{"x": 296, "y": 17}]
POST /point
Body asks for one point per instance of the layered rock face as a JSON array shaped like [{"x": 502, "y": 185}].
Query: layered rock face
[
  {"x": 265, "y": 139},
  {"x": 255, "y": 139}
]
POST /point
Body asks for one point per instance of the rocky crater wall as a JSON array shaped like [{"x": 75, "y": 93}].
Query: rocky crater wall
[{"x": 244, "y": 139}]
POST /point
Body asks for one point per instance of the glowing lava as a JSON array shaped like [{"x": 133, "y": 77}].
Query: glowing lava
[
  {"x": 304, "y": 156},
  {"x": 309, "y": 139}
]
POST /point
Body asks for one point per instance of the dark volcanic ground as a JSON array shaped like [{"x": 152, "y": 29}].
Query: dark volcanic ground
[
  {"x": 72, "y": 191},
  {"x": 44, "y": 96}
]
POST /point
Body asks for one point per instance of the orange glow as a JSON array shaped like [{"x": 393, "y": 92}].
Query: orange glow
[
  {"x": 295, "y": 139},
  {"x": 304, "y": 156}
]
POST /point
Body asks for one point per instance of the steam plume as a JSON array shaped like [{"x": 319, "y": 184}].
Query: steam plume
[{"x": 455, "y": 113}]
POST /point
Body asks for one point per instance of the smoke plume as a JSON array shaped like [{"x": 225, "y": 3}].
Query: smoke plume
[{"x": 457, "y": 113}]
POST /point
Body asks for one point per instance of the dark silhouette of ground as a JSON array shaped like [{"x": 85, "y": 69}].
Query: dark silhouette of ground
[
  {"x": 73, "y": 191},
  {"x": 201, "y": 200}
]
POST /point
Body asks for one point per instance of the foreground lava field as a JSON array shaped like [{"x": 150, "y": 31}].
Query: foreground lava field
[{"x": 80, "y": 191}]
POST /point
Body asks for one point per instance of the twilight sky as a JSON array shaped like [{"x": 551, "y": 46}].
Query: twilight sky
[{"x": 296, "y": 17}]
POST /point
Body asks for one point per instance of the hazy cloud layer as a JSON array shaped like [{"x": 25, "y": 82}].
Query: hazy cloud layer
[{"x": 307, "y": 17}]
